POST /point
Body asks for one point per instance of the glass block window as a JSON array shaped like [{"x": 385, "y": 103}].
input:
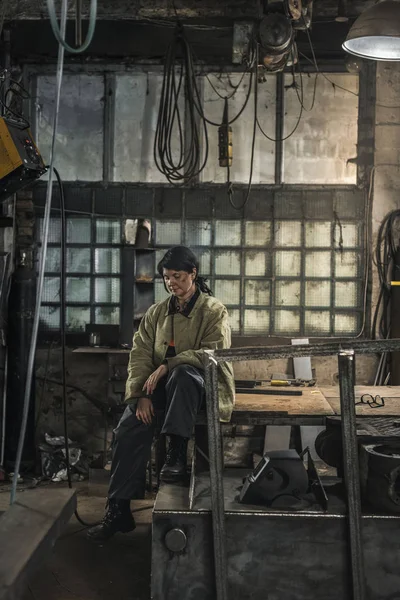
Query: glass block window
[
  {"x": 93, "y": 265},
  {"x": 281, "y": 276}
]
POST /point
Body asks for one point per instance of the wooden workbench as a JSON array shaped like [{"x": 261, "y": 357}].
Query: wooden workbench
[
  {"x": 390, "y": 393},
  {"x": 311, "y": 402}
]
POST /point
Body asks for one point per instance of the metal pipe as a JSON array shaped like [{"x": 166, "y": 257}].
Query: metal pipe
[
  {"x": 346, "y": 361},
  {"x": 45, "y": 235},
  {"x": 216, "y": 477},
  {"x": 6, "y": 59},
  {"x": 327, "y": 349},
  {"x": 279, "y": 126}
]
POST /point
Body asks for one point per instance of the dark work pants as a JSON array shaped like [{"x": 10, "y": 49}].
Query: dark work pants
[{"x": 177, "y": 398}]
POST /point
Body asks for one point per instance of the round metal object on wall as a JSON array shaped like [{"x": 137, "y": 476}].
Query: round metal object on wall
[
  {"x": 176, "y": 540},
  {"x": 275, "y": 33},
  {"x": 383, "y": 475}
]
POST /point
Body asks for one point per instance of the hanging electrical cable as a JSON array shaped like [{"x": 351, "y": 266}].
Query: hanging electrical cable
[
  {"x": 59, "y": 34},
  {"x": 253, "y": 143},
  {"x": 178, "y": 155},
  {"x": 45, "y": 236},
  {"x": 181, "y": 157}
]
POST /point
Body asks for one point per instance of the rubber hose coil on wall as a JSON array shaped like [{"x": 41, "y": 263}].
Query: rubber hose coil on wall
[{"x": 380, "y": 475}]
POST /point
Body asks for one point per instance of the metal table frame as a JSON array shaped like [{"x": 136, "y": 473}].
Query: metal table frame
[{"x": 346, "y": 361}]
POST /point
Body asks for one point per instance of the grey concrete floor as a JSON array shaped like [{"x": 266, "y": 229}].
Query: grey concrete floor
[{"x": 77, "y": 568}]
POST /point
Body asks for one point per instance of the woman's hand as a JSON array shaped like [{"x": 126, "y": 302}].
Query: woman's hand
[
  {"x": 154, "y": 378},
  {"x": 145, "y": 410}
]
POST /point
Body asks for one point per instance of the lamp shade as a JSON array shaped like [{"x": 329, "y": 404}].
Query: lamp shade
[{"x": 376, "y": 33}]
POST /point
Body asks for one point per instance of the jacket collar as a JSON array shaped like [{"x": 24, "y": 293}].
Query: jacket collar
[{"x": 198, "y": 298}]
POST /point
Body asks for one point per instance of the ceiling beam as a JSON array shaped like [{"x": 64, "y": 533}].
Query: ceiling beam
[{"x": 185, "y": 9}]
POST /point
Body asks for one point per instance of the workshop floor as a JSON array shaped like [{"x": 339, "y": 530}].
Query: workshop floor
[{"x": 80, "y": 569}]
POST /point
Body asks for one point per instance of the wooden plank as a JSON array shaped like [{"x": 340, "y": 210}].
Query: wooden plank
[
  {"x": 28, "y": 531},
  {"x": 387, "y": 391},
  {"x": 391, "y": 408},
  {"x": 311, "y": 403},
  {"x": 100, "y": 350},
  {"x": 391, "y": 394}
]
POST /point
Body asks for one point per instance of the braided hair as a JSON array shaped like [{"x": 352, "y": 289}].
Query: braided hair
[{"x": 181, "y": 258}]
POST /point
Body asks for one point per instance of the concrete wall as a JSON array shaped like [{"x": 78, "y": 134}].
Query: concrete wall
[
  {"x": 387, "y": 150},
  {"x": 86, "y": 422}
]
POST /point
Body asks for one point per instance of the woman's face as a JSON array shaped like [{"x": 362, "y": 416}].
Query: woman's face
[{"x": 179, "y": 283}]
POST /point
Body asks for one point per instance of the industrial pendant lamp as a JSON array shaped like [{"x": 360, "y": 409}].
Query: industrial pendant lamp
[{"x": 376, "y": 33}]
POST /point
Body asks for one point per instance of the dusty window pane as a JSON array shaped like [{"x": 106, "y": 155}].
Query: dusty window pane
[
  {"x": 108, "y": 231},
  {"x": 130, "y": 231},
  {"x": 77, "y": 318},
  {"x": 78, "y": 289},
  {"x": 346, "y": 324},
  {"x": 51, "y": 289},
  {"x": 159, "y": 255},
  {"x": 198, "y": 233},
  {"x": 318, "y": 264},
  {"x": 288, "y": 233},
  {"x": 318, "y": 235},
  {"x": 160, "y": 293},
  {"x": 234, "y": 320},
  {"x": 227, "y": 290},
  {"x": 318, "y": 293},
  {"x": 228, "y": 233},
  {"x": 257, "y": 264},
  {"x": 78, "y": 231},
  {"x": 346, "y": 294},
  {"x": 257, "y": 292},
  {"x": 78, "y": 260},
  {"x": 204, "y": 258},
  {"x": 107, "y": 290},
  {"x": 79, "y": 144},
  {"x": 256, "y": 321},
  {"x": 317, "y": 322},
  {"x": 105, "y": 315},
  {"x": 54, "y": 236},
  {"x": 168, "y": 232},
  {"x": 287, "y": 321},
  {"x": 107, "y": 260},
  {"x": 287, "y": 293},
  {"x": 258, "y": 233},
  {"x": 242, "y": 128},
  {"x": 346, "y": 235},
  {"x": 347, "y": 264},
  {"x": 137, "y": 98},
  {"x": 287, "y": 263},
  {"x": 50, "y": 317},
  {"x": 227, "y": 263},
  {"x": 326, "y": 137},
  {"x": 53, "y": 260}
]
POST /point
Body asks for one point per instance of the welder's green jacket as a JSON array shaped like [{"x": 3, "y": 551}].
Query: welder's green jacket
[{"x": 206, "y": 328}]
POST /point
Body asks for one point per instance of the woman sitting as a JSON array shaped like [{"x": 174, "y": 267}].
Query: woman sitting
[{"x": 165, "y": 374}]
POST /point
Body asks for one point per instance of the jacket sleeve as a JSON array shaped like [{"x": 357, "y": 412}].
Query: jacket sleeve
[
  {"x": 217, "y": 335},
  {"x": 141, "y": 361}
]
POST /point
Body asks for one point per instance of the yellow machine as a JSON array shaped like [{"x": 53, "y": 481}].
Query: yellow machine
[{"x": 20, "y": 160}]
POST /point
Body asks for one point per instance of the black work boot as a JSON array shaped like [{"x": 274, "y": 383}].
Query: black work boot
[
  {"x": 118, "y": 518},
  {"x": 174, "y": 468}
]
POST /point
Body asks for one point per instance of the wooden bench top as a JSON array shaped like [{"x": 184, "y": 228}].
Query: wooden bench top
[
  {"x": 390, "y": 393},
  {"x": 310, "y": 403}
]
